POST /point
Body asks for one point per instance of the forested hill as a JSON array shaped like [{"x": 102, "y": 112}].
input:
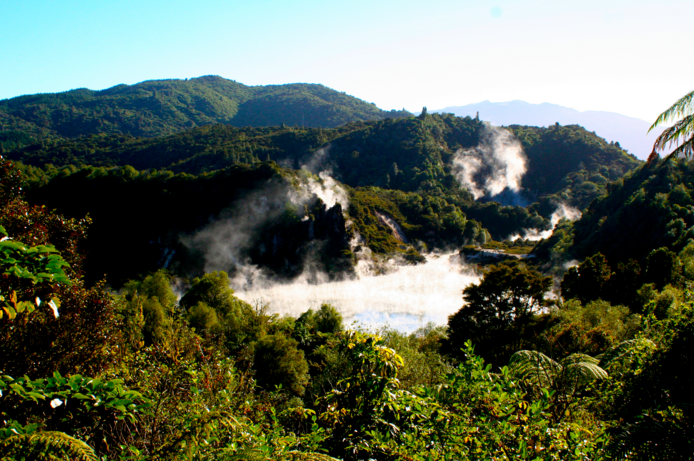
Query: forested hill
[
  {"x": 570, "y": 163},
  {"x": 564, "y": 164},
  {"x": 649, "y": 208},
  {"x": 161, "y": 107}
]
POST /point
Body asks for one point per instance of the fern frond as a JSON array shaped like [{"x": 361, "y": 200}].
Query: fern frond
[
  {"x": 679, "y": 133},
  {"x": 46, "y": 445},
  {"x": 682, "y": 108},
  {"x": 535, "y": 367}
]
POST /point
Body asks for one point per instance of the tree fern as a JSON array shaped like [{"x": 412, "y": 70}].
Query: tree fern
[
  {"x": 566, "y": 378},
  {"x": 541, "y": 371},
  {"x": 682, "y": 132},
  {"x": 46, "y": 445}
]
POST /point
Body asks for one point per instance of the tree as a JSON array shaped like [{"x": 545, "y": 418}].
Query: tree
[
  {"x": 212, "y": 291},
  {"x": 279, "y": 362},
  {"x": 682, "y": 132},
  {"x": 147, "y": 308},
  {"x": 40, "y": 344},
  {"x": 498, "y": 310},
  {"x": 663, "y": 267},
  {"x": 588, "y": 281}
]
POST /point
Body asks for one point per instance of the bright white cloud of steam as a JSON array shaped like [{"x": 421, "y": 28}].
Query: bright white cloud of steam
[
  {"x": 328, "y": 190},
  {"x": 562, "y": 212},
  {"x": 406, "y": 297},
  {"x": 223, "y": 241},
  {"x": 495, "y": 165}
]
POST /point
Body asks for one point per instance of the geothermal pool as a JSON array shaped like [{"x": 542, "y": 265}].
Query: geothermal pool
[{"x": 406, "y": 298}]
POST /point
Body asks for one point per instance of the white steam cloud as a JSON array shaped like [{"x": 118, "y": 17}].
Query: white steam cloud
[
  {"x": 224, "y": 241},
  {"x": 383, "y": 292},
  {"x": 406, "y": 298},
  {"x": 496, "y": 165},
  {"x": 328, "y": 190},
  {"x": 562, "y": 212}
]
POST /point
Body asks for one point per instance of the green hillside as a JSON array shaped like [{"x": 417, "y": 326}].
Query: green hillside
[
  {"x": 161, "y": 107},
  {"x": 649, "y": 208},
  {"x": 569, "y": 163}
]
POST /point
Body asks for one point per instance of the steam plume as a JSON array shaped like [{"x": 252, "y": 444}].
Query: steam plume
[
  {"x": 406, "y": 298},
  {"x": 495, "y": 166},
  {"x": 563, "y": 211}
]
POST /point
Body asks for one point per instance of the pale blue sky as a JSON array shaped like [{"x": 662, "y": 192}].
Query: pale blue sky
[{"x": 630, "y": 57}]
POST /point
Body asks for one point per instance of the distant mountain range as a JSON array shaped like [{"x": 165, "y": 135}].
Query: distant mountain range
[
  {"x": 629, "y": 132},
  {"x": 160, "y": 107}
]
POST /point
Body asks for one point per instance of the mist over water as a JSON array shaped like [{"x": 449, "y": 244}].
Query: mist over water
[
  {"x": 406, "y": 298},
  {"x": 496, "y": 166}
]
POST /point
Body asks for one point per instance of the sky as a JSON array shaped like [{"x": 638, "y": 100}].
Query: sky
[{"x": 630, "y": 57}]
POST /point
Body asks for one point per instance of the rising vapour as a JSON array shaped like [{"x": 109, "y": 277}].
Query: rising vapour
[
  {"x": 381, "y": 292},
  {"x": 563, "y": 211},
  {"x": 496, "y": 165},
  {"x": 224, "y": 241},
  {"x": 326, "y": 188},
  {"x": 406, "y": 298}
]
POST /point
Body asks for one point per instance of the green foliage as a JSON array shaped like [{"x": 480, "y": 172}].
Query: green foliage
[
  {"x": 33, "y": 266},
  {"x": 499, "y": 311},
  {"x": 360, "y": 403},
  {"x": 423, "y": 365},
  {"x": 646, "y": 210},
  {"x": 591, "y": 328},
  {"x": 158, "y": 107},
  {"x": 489, "y": 415},
  {"x": 278, "y": 362},
  {"x": 45, "y": 446},
  {"x": 588, "y": 281},
  {"x": 86, "y": 407},
  {"x": 213, "y": 308},
  {"x": 681, "y": 133},
  {"x": 39, "y": 344},
  {"x": 326, "y": 320},
  {"x": 652, "y": 397},
  {"x": 581, "y": 163},
  {"x": 564, "y": 379},
  {"x": 146, "y": 309}
]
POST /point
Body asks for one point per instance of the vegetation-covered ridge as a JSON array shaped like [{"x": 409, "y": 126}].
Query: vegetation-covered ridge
[
  {"x": 649, "y": 208},
  {"x": 144, "y": 375},
  {"x": 159, "y": 107},
  {"x": 569, "y": 164},
  {"x": 407, "y": 154}
]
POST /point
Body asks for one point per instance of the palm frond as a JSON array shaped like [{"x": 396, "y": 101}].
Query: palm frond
[
  {"x": 46, "y": 445},
  {"x": 682, "y": 108}
]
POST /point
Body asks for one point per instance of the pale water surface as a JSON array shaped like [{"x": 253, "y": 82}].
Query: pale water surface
[{"x": 406, "y": 298}]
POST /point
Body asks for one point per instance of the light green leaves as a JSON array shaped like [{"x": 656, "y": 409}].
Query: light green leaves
[{"x": 28, "y": 265}]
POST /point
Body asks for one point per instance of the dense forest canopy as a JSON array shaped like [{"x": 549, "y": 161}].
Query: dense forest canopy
[
  {"x": 160, "y": 107},
  {"x": 547, "y": 358}
]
